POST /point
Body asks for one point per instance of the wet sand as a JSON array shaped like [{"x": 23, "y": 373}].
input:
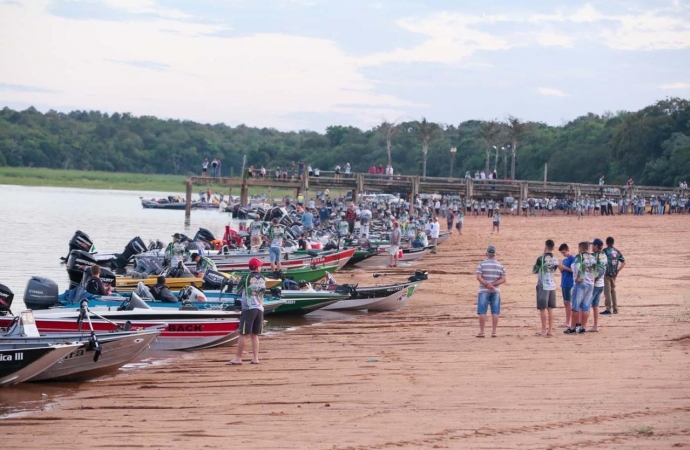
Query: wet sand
[{"x": 418, "y": 378}]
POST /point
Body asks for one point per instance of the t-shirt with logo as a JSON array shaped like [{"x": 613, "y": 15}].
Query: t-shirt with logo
[
  {"x": 567, "y": 277},
  {"x": 584, "y": 267},
  {"x": 613, "y": 257},
  {"x": 545, "y": 268},
  {"x": 277, "y": 234},
  {"x": 599, "y": 268},
  {"x": 255, "y": 229},
  {"x": 343, "y": 228},
  {"x": 253, "y": 292}
]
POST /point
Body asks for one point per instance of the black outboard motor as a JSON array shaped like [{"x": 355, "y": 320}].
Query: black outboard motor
[
  {"x": 134, "y": 247},
  {"x": 214, "y": 281},
  {"x": 40, "y": 293},
  {"x": 78, "y": 261},
  {"x": 6, "y": 297},
  {"x": 204, "y": 235},
  {"x": 80, "y": 241}
]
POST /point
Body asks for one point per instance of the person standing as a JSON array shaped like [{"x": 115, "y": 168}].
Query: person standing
[
  {"x": 308, "y": 220},
  {"x": 545, "y": 268},
  {"x": 615, "y": 262},
  {"x": 459, "y": 220},
  {"x": 255, "y": 238},
  {"x": 582, "y": 291},
  {"x": 214, "y": 167},
  {"x": 434, "y": 232},
  {"x": 490, "y": 274},
  {"x": 450, "y": 217},
  {"x": 276, "y": 234},
  {"x": 599, "y": 271},
  {"x": 395, "y": 245},
  {"x": 496, "y": 222},
  {"x": 204, "y": 167},
  {"x": 350, "y": 218},
  {"x": 252, "y": 315},
  {"x": 364, "y": 219},
  {"x": 566, "y": 268}
]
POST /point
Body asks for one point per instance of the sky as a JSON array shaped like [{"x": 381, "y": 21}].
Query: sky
[{"x": 308, "y": 64}]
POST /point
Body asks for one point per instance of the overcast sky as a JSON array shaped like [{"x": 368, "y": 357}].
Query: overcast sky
[{"x": 307, "y": 64}]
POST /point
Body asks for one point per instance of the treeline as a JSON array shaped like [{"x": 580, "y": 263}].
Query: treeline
[{"x": 651, "y": 145}]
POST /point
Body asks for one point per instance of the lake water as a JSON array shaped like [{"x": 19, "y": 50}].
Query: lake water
[{"x": 38, "y": 223}]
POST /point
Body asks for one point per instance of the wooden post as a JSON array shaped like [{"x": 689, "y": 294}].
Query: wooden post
[
  {"x": 469, "y": 193},
  {"x": 188, "y": 200},
  {"x": 244, "y": 193}
]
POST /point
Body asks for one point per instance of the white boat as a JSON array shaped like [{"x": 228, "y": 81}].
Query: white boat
[{"x": 377, "y": 298}]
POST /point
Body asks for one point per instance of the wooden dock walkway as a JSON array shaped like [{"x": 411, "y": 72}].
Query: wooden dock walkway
[{"x": 412, "y": 186}]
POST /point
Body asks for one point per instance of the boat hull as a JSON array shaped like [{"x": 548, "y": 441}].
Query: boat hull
[
  {"x": 19, "y": 364},
  {"x": 377, "y": 298}
]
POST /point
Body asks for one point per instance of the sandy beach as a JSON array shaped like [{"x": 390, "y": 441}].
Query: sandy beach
[{"x": 419, "y": 378}]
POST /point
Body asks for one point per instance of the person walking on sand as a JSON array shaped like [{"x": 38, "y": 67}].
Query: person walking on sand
[
  {"x": 252, "y": 287},
  {"x": 599, "y": 272},
  {"x": 450, "y": 217},
  {"x": 582, "y": 291},
  {"x": 497, "y": 223},
  {"x": 459, "y": 220},
  {"x": 395, "y": 245},
  {"x": 566, "y": 268},
  {"x": 545, "y": 268},
  {"x": 615, "y": 262},
  {"x": 490, "y": 274}
]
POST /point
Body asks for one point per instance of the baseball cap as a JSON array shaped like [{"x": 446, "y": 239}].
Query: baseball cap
[
  {"x": 598, "y": 242},
  {"x": 255, "y": 263},
  {"x": 491, "y": 250}
]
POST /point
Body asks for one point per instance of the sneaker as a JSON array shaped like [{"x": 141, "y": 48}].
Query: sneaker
[
  {"x": 570, "y": 331},
  {"x": 581, "y": 331},
  {"x": 605, "y": 313},
  {"x": 578, "y": 327}
]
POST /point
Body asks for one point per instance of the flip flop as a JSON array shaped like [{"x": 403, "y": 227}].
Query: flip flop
[
  {"x": 254, "y": 362},
  {"x": 233, "y": 363},
  {"x": 593, "y": 330},
  {"x": 493, "y": 334},
  {"x": 480, "y": 335}
]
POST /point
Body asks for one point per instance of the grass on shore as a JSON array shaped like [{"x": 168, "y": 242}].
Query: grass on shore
[{"x": 31, "y": 176}]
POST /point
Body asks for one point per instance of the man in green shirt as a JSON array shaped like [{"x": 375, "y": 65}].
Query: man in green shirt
[{"x": 615, "y": 262}]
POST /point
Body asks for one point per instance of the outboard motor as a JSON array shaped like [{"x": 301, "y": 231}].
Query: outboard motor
[
  {"x": 6, "y": 297},
  {"x": 204, "y": 235},
  {"x": 40, "y": 293},
  {"x": 78, "y": 261},
  {"x": 134, "y": 247},
  {"x": 419, "y": 275},
  {"x": 80, "y": 241},
  {"x": 191, "y": 294},
  {"x": 148, "y": 265},
  {"x": 214, "y": 281}
]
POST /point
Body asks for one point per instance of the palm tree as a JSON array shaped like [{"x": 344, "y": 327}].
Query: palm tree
[
  {"x": 426, "y": 132},
  {"x": 516, "y": 130},
  {"x": 489, "y": 132},
  {"x": 388, "y": 130}
]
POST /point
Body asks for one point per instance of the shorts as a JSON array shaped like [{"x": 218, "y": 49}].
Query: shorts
[
  {"x": 596, "y": 295},
  {"x": 545, "y": 299},
  {"x": 582, "y": 297},
  {"x": 393, "y": 250},
  {"x": 567, "y": 291},
  {"x": 274, "y": 254},
  {"x": 458, "y": 225},
  {"x": 484, "y": 299},
  {"x": 469, "y": 209},
  {"x": 255, "y": 241},
  {"x": 251, "y": 321}
]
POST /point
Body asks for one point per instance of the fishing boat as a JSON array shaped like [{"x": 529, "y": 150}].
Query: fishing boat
[
  {"x": 382, "y": 259},
  {"x": 98, "y": 354},
  {"x": 377, "y": 298},
  {"x": 21, "y": 362}
]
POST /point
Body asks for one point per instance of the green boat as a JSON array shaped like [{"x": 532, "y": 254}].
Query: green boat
[
  {"x": 302, "y": 302},
  {"x": 305, "y": 274},
  {"x": 359, "y": 255}
]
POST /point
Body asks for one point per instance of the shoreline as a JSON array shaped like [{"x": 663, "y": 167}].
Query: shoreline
[{"x": 418, "y": 377}]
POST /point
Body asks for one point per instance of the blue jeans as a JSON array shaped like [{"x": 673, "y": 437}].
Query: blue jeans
[
  {"x": 596, "y": 294},
  {"x": 582, "y": 297},
  {"x": 274, "y": 254},
  {"x": 567, "y": 291},
  {"x": 484, "y": 299}
]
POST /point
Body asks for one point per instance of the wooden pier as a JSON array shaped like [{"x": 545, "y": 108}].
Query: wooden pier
[{"x": 411, "y": 186}]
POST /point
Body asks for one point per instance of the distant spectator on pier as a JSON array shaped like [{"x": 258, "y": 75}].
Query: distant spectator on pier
[
  {"x": 204, "y": 167},
  {"x": 214, "y": 167},
  {"x": 372, "y": 170},
  {"x": 348, "y": 168},
  {"x": 380, "y": 171}
]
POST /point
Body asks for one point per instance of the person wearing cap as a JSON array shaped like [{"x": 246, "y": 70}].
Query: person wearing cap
[
  {"x": 434, "y": 232},
  {"x": 395, "y": 245},
  {"x": 176, "y": 251},
  {"x": 490, "y": 274},
  {"x": 545, "y": 269},
  {"x": 162, "y": 292},
  {"x": 276, "y": 234},
  {"x": 252, "y": 288},
  {"x": 600, "y": 271},
  {"x": 203, "y": 264},
  {"x": 615, "y": 262}
]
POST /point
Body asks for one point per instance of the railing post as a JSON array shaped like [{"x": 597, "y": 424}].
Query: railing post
[{"x": 188, "y": 200}]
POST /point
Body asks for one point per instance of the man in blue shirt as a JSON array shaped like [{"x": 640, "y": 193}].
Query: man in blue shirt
[
  {"x": 323, "y": 215},
  {"x": 308, "y": 220},
  {"x": 566, "y": 280}
]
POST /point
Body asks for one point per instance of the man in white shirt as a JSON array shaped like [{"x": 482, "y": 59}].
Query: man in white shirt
[{"x": 434, "y": 230}]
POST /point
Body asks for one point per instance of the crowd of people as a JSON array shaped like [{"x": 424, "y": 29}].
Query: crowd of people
[{"x": 584, "y": 277}]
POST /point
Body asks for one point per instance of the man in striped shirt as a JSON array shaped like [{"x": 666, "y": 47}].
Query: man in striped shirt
[{"x": 490, "y": 274}]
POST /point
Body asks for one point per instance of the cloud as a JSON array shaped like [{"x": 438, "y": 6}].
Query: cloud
[
  {"x": 24, "y": 88},
  {"x": 151, "y": 65},
  {"x": 675, "y": 86},
  {"x": 551, "y": 92}
]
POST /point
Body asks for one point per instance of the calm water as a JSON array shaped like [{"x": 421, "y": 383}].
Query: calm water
[{"x": 38, "y": 222}]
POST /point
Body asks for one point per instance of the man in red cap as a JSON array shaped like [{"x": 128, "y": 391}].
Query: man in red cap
[{"x": 252, "y": 287}]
